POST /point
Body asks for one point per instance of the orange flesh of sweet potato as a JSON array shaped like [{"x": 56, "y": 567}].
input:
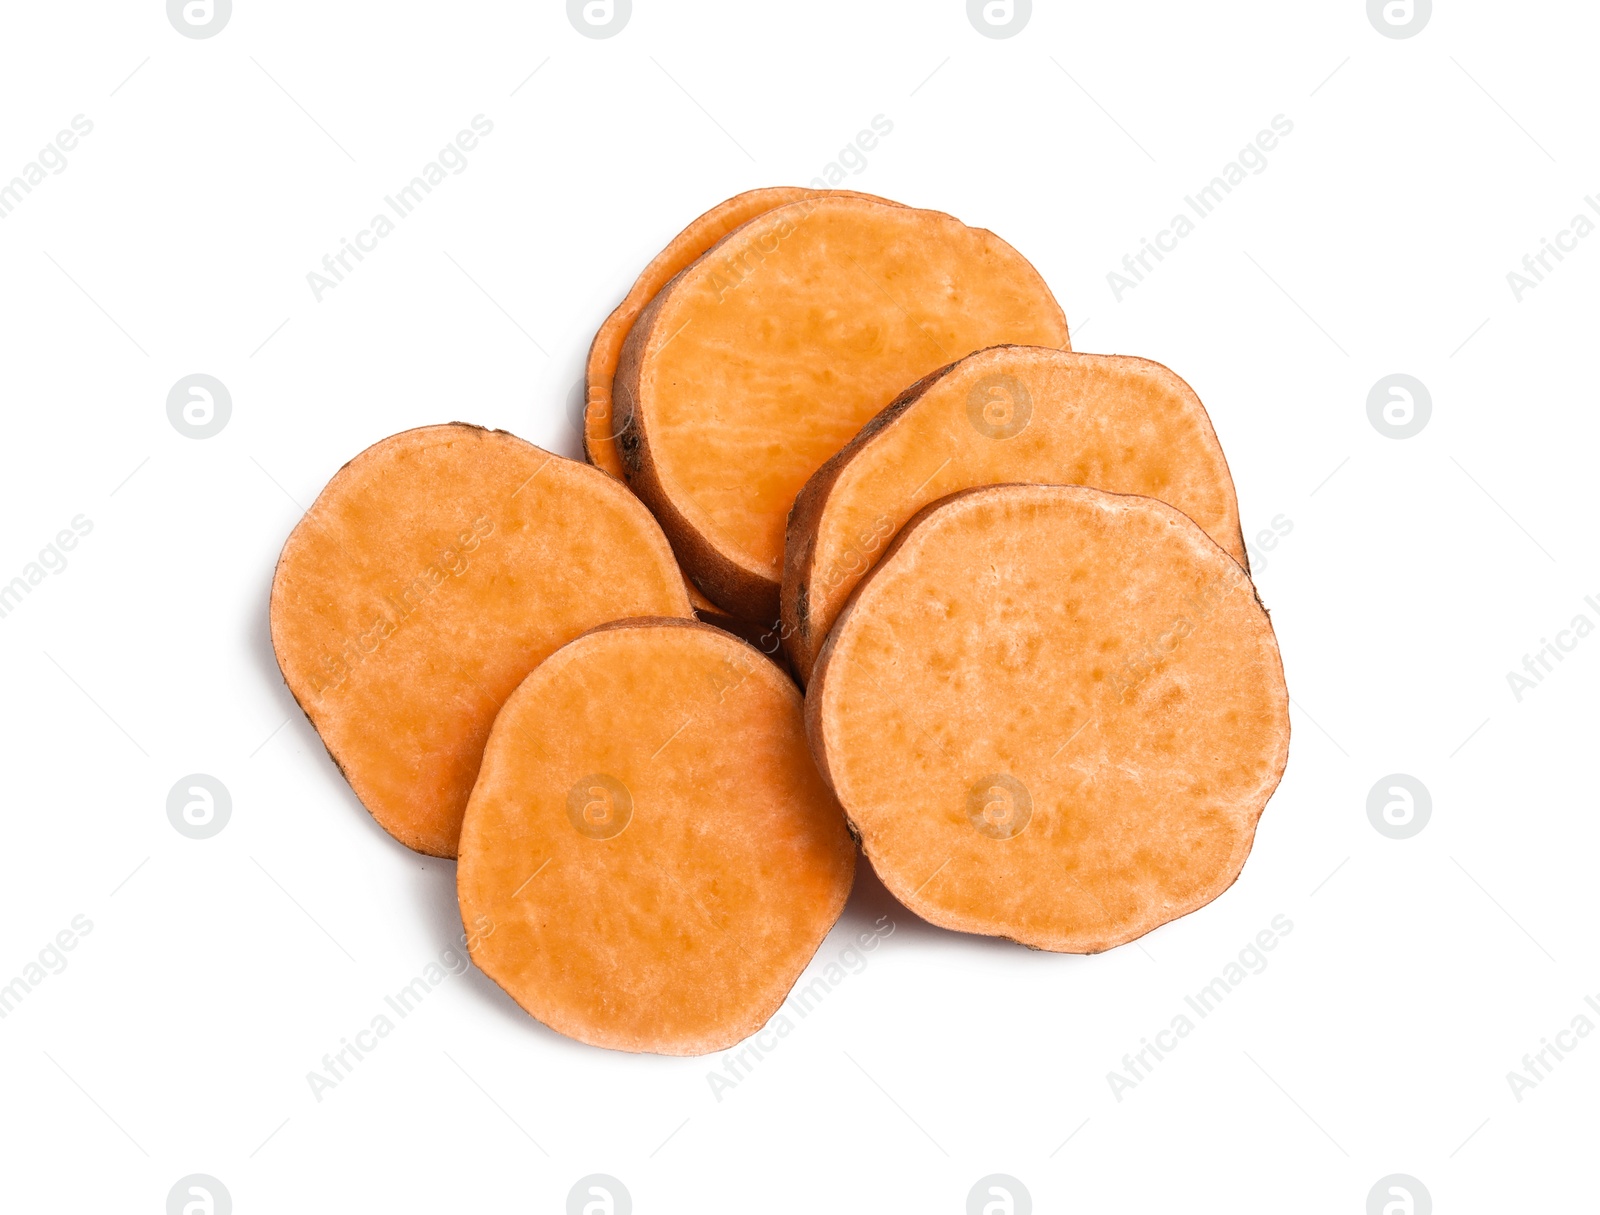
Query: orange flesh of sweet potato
[
  {"x": 599, "y": 427},
  {"x": 765, "y": 356},
  {"x": 433, "y": 572},
  {"x": 1053, "y": 714},
  {"x": 650, "y": 858},
  {"x": 1012, "y": 413}
]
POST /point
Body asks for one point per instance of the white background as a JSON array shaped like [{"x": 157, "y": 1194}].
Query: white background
[{"x": 1417, "y": 574}]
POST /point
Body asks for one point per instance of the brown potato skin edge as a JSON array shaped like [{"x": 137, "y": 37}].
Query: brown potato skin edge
[{"x": 819, "y": 752}]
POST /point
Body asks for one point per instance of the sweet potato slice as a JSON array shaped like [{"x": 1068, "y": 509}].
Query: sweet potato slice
[
  {"x": 1011, "y": 413},
  {"x": 433, "y": 572},
  {"x": 765, "y": 356},
  {"x": 1053, "y": 714},
  {"x": 599, "y": 426},
  {"x": 649, "y": 858}
]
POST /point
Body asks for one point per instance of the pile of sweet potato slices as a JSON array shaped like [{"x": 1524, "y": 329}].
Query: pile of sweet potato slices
[{"x": 835, "y": 444}]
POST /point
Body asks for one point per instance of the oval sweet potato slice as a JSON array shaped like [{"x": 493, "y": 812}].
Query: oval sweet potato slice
[
  {"x": 1053, "y": 714},
  {"x": 599, "y": 426},
  {"x": 433, "y": 572},
  {"x": 764, "y": 357},
  {"x": 650, "y": 858},
  {"x": 1008, "y": 414}
]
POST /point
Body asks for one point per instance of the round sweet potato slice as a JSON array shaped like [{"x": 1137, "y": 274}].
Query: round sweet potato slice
[
  {"x": 599, "y": 425},
  {"x": 433, "y": 572},
  {"x": 764, "y": 357},
  {"x": 650, "y": 858},
  {"x": 1053, "y": 714},
  {"x": 1008, "y": 414}
]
